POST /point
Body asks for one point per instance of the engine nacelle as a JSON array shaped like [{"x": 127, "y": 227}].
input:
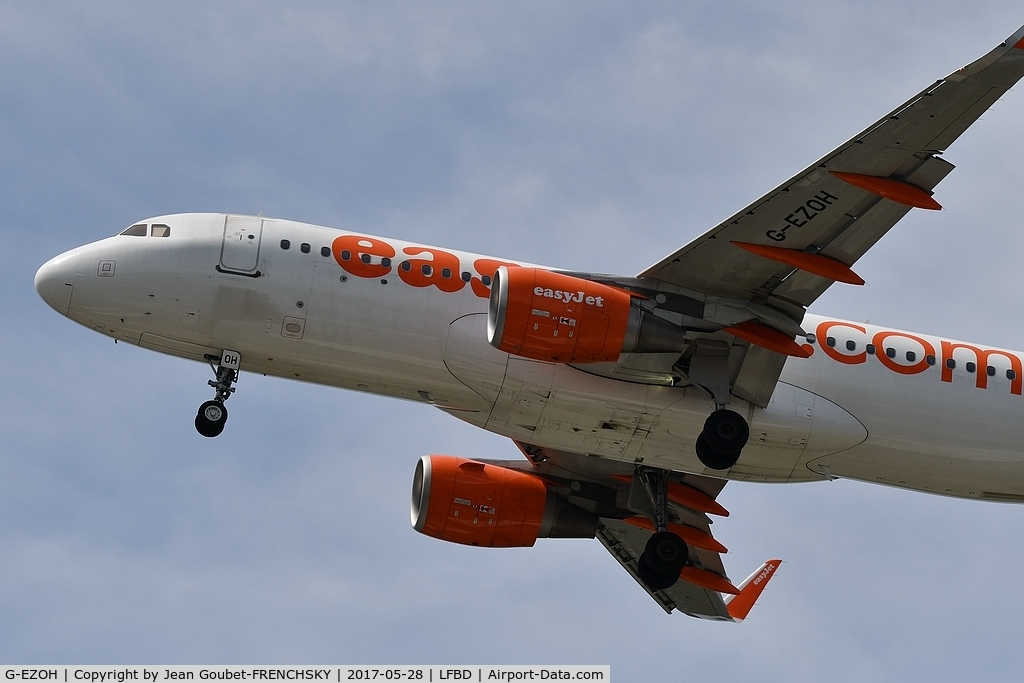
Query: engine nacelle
[
  {"x": 549, "y": 316},
  {"x": 475, "y": 503}
]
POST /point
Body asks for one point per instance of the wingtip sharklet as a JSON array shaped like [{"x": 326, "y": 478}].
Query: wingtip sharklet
[{"x": 750, "y": 590}]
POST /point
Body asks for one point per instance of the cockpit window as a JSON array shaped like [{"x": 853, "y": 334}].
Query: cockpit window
[
  {"x": 160, "y": 230},
  {"x": 136, "y": 230}
]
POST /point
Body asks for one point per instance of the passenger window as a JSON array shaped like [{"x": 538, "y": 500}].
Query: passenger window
[
  {"x": 991, "y": 371},
  {"x": 830, "y": 341},
  {"x": 160, "y": 230},
  {"x": 286, "y": 245},
  {"x": 136, "y": 230},
  {"x": 406, "y": 266},
  {"x": 930, "y": 359},
  {"x": 446, "y": 273},
  {"x": 911, "y": 356},
  {"x": 486, "y": 279},
  {"x": 891, "y": 352},
  {"x": 426, "y": 269},
  {"x": 466, "y": 277},
  {"x": 1011, "y": 375},
  {"x": 304, "y": 248},
  {"x": 870, "y": 348},
  {"x": 325, "y": 251},
  {"x": 950, "y": 363},
  {"x": 346, "y": 255},
  {"x": 365, "y": 258},
  {"x": 810, "y": 338},
  {"x": 971, "y": 367},
  {"x": 850, "y": 345}
]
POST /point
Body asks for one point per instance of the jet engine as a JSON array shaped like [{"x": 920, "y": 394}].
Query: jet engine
[
  {"x": 542, "y": 315},
  {"x": 482, "y": 504}
]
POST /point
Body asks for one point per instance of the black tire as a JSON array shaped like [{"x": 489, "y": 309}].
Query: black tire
[
  {"x": 653, "y": 579},
  {"x": 713, "y": 459},
  {"x": 666, "y": 553},
  {"x": 211, "y": 418},
  {"x": 725, "y": 431}
]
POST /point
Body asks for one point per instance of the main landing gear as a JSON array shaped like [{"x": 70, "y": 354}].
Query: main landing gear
[
  {"x": 213, "y": 415},
  {"x": 724, "y": 436},
  {"x": 725, "y": 432},
  {"x": 665, "y": 554}
]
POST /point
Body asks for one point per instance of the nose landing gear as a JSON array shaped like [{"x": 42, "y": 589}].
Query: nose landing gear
[{"x": 213, "y": 415}]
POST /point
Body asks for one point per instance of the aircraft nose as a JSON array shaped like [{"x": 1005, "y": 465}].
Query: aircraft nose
[{"x": 55, "y": 279}]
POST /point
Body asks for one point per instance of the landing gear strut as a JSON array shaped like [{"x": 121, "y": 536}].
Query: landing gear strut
[
  {"x": 665, "y": 554},
  {"x": 724, "y": 436},
  {"x": 213, "y": 415},
  {"x": 725, "y": 431}
]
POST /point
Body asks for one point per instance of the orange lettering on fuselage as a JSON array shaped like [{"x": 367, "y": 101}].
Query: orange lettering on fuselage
[
  {"x": 441, "y": 270},
  {"x": 927, "y": 360},
  {"x": 363, "y": 256},
  {"x": 981, "y": 357},
  {"x": 822, "y": 334},
  {"x": 486, "y": 267},
  {"x": 371, "y": 257},
  {"x": 883, "y": 356}
]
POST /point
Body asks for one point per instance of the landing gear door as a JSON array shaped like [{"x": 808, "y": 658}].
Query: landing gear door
[{"x": 240, "y": 252}]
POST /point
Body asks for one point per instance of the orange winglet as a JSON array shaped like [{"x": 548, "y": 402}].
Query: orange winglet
[
  {"x": 751, "y": 589},
  {"x": 692, "y": 536},
  {"x": 903, "y": 193},
  {"x": 709, "y": 580},
  {"x": 687, "y": 496},
  {"x": 1020, "y": 44},
  {"x": 768, "y": 337},
  {"x": 812, "y": 263}
]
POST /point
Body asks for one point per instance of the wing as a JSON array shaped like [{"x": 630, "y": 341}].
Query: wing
[
  {"x": 607, "y": 489},
  {"x": 747, "y": 282},
  {"x": 791, "y": 244}
]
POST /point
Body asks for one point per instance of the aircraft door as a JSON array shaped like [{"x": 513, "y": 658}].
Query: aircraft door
[{"x": 240, "y": 252}]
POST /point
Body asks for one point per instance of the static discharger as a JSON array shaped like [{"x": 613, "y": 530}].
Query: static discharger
[
  {"x": 897, "y": 191},
  {"x": 691, "y": 535},
  {"x": 687, "y": 496},
  {"x": 812, "y": 263},
  {"x": 767, "y": 337}
]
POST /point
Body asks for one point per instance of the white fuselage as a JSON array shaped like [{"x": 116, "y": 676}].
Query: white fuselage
[{"x": 893, "y": 416}]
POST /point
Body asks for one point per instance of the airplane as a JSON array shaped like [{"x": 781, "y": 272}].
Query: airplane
[{"x": 633, "y": 399}]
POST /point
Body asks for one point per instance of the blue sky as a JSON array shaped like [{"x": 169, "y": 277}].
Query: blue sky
[{"x": 588, "y": 135}]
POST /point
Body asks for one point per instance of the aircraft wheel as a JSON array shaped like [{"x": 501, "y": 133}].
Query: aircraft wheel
[
  {"x": 653, "y": 579},
  {"x": 666, "y": 553},
  {"x": 725, "y": 431},
  {"x": 712, "y": 459},
  {"x": 211, "y": 419}
]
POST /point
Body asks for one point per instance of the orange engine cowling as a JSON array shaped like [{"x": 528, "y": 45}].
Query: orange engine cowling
[
  {"x": 549, "y": 316},
  {"x": 542, "y": 315},
  {"x": 475, "y": 503}
]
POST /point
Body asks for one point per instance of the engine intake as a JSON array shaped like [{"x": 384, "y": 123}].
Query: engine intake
[
  {"x": 542, "y": 315},
  {"x": 475, "y": 503}
]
